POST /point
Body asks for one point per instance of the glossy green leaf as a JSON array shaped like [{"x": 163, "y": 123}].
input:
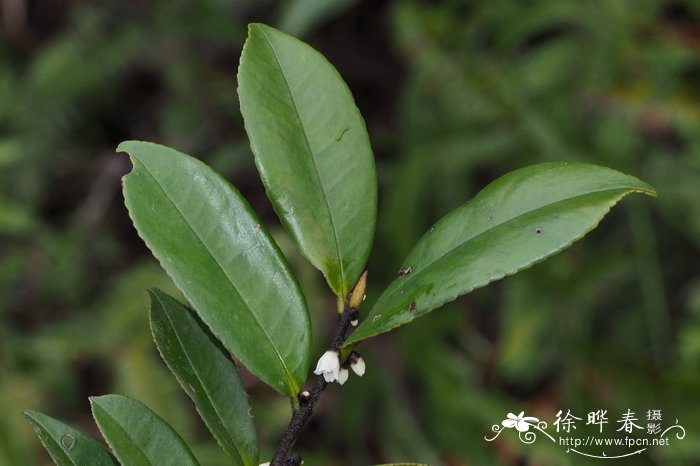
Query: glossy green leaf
[
  {"x": 513, "y": 223},
  {"x": 207, "y": 375},
  {"x": 137, "y": 435},
  {"x": 68, "y": 446},
  {"x": 212, "y": 245},
  {"x": 312, "y": 150}
]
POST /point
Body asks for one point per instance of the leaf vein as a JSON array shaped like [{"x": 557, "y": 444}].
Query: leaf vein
[
  {"x": 201, "y": 381},
  {"x": 229, "y": 280},
  {"x": 336, "y": 240},
  {"x": 410, "y": 278}
]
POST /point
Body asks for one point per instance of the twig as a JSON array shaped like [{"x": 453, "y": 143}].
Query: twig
[{"x": 308, "y": 399}]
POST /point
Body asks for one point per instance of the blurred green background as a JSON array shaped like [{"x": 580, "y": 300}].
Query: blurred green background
[{"x": 455, "y": 93}]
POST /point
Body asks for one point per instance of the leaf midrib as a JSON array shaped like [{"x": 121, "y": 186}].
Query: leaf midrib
[
  {"x": 201, "y": 382},
  {"x": 450, "y": 251},
  {"x": 230, "y": 282},
  {"x": 329, "y": 211}
]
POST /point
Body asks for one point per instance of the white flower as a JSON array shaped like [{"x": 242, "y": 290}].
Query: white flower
[
  {"x": 329, "y": 365},
  {"x": 343, "y": 375},
  {"x": 522, "y": 424},
  {"x": 357, "y": 364},
  {"x": 265, "y": 464}
]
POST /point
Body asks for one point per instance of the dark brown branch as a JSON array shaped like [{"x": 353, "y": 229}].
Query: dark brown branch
[{"x": 307, "y": 400}]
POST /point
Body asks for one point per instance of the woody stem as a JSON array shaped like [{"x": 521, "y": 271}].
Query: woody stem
[{"x": 307, "y": 403}]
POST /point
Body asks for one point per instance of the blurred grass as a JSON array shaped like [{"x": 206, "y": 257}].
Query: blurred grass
[{"x": 455, "y": 93}]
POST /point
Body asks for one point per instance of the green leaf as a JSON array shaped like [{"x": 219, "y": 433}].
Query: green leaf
[
  {"x": 137, "y": 435},
  {"x": 312, "y": 150},
  {"x": 516, "y": 221},
  {"x": 212, "y": 245},
  {"x": 67, "y": 446},
  {"x": 207, "y": 375}
]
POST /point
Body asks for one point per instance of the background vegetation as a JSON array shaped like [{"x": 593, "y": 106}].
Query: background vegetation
[{"x": 455, "y": 93}]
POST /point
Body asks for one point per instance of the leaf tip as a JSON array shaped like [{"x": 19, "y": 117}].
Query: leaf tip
[
  {"x": 252, "y": 26},
  {"x": 650, "y": 191},
  {"x": 126, "y": 146},
  {"x": 154, "y": 292},
  {"x": 134, "y": 147},
  {"x": 258, "y": 26}
]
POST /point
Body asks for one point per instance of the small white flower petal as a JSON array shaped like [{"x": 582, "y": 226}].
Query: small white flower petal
[
  {"x": 328, "y": 365},
  {"x": 327, "y": 361},
  {"x": 265, "y": 464},
  {"x": 343, "y": 375},
  {"x": 358, "y": 367}
]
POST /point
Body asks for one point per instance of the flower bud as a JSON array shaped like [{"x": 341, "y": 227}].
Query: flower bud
[
  {"x": 343, "y": 375},
  {"x": 358, "y": 293},
  {"x": 357, "y": 364}
]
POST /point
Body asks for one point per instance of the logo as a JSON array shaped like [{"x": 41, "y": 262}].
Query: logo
[{"x": 597, "y": 436}]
